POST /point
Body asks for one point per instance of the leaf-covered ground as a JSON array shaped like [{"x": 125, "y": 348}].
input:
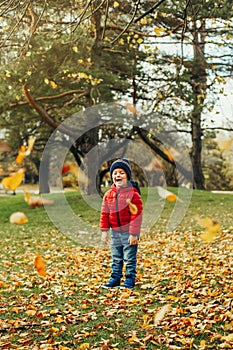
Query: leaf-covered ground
[{"x": 183, "y": 297}]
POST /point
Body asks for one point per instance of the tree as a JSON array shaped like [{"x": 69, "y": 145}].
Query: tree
[{"x": 76, "y": 55}]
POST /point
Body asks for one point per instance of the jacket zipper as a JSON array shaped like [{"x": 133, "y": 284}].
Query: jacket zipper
[{"x": 117, "y": 211}]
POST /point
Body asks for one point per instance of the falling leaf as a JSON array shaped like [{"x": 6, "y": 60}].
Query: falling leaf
[
  {"x": 78, "y": 174},
  {"x": 212, "y": 228},
  {"x": 132, "y": 207},
  {"x": 13, "y": 181},
  {"x": 131, "y": 108},
  {"x": 18, "y": 218},
  {"x": 25, "y": 151},
  {"x": 169, "y": 155},
  {"x": 224, "y": 144},
  {"x": 161, "y": 313},
  {"x": 164, "y": 194},
  {"x": 31, "y": 141},
  {"x": 40, "y": 266},
  {"x": 37, "y": 201}
]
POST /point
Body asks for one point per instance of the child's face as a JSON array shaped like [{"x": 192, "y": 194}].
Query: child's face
[{"x": 119, "y": 177}]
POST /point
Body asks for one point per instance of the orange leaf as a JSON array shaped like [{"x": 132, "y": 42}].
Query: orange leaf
[
  {"x": 169, "y": 155},
  {"x": 40, "y": 266},
  {"x": 164, "y": 194}
]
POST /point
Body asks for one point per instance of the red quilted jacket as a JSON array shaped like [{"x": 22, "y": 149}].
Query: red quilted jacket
[{"x": 115, "y": 211}]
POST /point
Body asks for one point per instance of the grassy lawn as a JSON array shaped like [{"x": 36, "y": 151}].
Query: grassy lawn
[{"x": 183, "y": 297}]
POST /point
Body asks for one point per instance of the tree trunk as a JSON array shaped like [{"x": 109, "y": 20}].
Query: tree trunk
[{"x": 199, "y": 87}]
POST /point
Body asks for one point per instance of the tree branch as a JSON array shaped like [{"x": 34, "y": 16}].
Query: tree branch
[
  {"x": 44, "y": 115},
  {"x": 44, "y": 98},
  {"x": 149, "y": 11}
]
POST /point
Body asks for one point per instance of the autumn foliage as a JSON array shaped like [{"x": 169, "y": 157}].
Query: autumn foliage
[{"x": 51, "y": 297}]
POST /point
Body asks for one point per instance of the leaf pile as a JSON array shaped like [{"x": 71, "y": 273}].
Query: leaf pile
[{"x": 183, "y": 297}]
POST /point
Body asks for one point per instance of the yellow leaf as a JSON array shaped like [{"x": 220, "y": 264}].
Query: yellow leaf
[
  {"x": 202, "y": 343},
  {"x": 140, "y": 40},
  {"x": 18, "y": 218},
  {"x": 8, "y": 74},
  {"x": 84, "y": 346},
  {"x": 53, "y": 84},
  {"x": 159, "y": 31},
  {"x": 40, "y": 266},
  {"x": 31, "y": 312},
  {"x": 228, "y": 337},
  {"x": 143, "y": 20},
  {"x": 134, "y": 338},
  {"x": 132, "y": 207},
  {"x": 224, "y": 144},
  {"x": 46, "y": 80},
  {"x": 75, "y": 48},
  {"x": 121, "y": 41},
  {"x": 12, "y": 182},
  {"x": 115, "y": 4},
  {"x": 212, "y": 228}
]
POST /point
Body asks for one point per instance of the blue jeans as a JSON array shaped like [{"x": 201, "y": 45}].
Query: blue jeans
[{"x": 123, "y": 253}]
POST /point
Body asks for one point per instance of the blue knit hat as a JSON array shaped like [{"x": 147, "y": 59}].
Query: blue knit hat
[{"x": 122, "y": 163}]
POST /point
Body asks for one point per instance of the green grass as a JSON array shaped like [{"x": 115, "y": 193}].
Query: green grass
[{"x": 68, "y": 310}]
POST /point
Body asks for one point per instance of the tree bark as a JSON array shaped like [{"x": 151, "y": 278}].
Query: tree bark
[{"x": 199, "y": 87}]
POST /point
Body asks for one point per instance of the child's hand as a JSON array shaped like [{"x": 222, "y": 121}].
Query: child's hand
[
  {"x": 104, "y": 237},
  {"x": 133, "y": 239}
]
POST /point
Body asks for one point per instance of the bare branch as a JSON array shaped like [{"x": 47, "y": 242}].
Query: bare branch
[
  {"x": 149, "y": 11},
  {"x": 44, "y": 98},
  {"x": 130, "y": 22}
]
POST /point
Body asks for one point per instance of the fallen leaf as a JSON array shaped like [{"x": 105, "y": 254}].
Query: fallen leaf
[
  {"x": 18, "y": 218},
  {"x": 40, "y": 266},
  {"x": 161, "y": 313}
]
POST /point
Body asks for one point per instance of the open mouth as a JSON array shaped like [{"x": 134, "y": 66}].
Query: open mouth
[{"x": 118, "y": 180}]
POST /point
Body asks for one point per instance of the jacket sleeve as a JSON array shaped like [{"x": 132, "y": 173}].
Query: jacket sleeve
[
  {"x": 104, "y": 215},
  {"x": 136, "y": 219}
]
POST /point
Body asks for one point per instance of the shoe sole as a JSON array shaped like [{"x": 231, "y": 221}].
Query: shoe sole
[{"x": 105, "y": 287}]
